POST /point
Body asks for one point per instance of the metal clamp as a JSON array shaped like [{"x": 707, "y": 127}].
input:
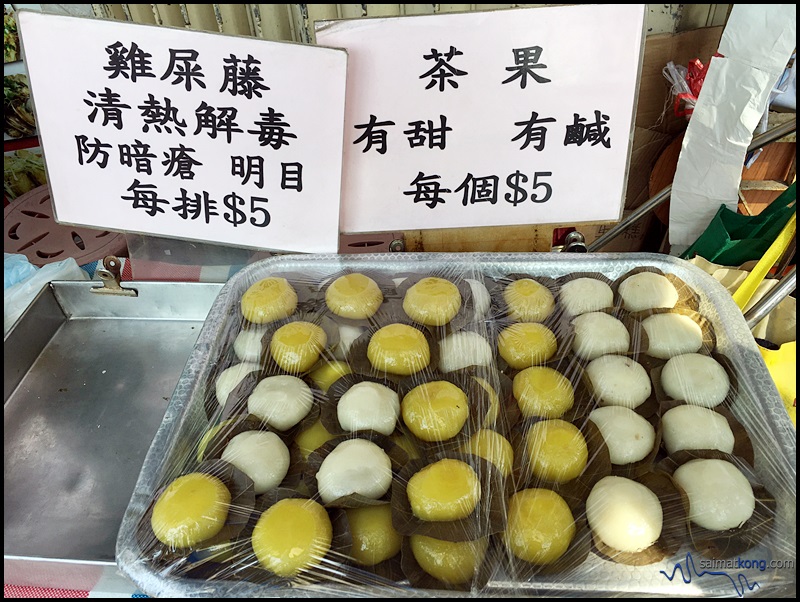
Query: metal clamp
[
  {"x": 111, "y": 277},
  {"x": 574, "y": 242}
]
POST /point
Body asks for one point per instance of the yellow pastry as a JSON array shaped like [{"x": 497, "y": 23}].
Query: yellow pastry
[
  {"x": 432, "y": 301},
  {"x": 526, "y": 344},
  {"x": 543, "y": 392},
  {"x": 374, "y": 537},
  {"x": 454, "y": 563},
  {"x": 540, "y": 526},
  {"x": 296, "y": 346},
  {"x": 406, "y": 444},
  {"x": 443, "y": 491},
  {"x": 268, "y": 300},
  {"x": 312, "y": 438},
  {"x": 192, "y": 509},
  {"x": 492, "y": 447},
  {"x": 528, "y": 301},
  {"x": 354, "y": 296},
  {"x": 435, "y": 411},
  {"x": 291, "y": 536},
  {"x": 556, "y": 450},
  {"x": 328, "y": 373},
  {"x": 399, "y": 349},
  {"x": 494, "y": 401},
  {"x": 202, "y": 446}
]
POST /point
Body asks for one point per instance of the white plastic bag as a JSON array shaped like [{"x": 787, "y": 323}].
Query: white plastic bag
[
  {"x": 16, "y": 298},
  {"x": 16, "y": 268}
]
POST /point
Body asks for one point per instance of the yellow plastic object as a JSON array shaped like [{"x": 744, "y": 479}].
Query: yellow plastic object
[
  {"x": 443, "y": 491},
  {"x": 292, "y": 535},
  {"x": 540, "y": 526},
  {"x": 782, "y": 365},
  {"x": 374, "y": 537},
  {"x": 764, "y": 265},
  {"x": 192, "y": 509},
  {"x": 454, "y": 563}
]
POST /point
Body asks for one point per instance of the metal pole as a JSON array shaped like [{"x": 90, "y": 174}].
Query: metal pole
[
  {"x": 771, "y": 300},
  {"x": 772, "y": 135}
]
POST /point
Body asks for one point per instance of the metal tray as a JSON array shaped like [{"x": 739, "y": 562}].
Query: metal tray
[
  {"x": 87, "y": 378},
  {"x": 758, "y": 406}
]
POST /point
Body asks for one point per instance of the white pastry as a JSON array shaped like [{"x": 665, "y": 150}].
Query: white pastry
[
  {"x": 671, "y": 334},
  {"x": 628, "y": 436},
  {"x": 356, "y": 466},
  {"x": 598, "y": 333},
  {"x": 720, "y": 496},
  {"x": 693, "y": 427},
  {"x": 281, "y": 401},
  {"x": 260, "y": 455},
  {"x": 463, "y": 349},
  {"x": 369, "y": 406},
  {"x": 230, "y": 378},
  {"x": 624, "y": 514},
  {"x": 582, "y": 295},
  {"x": 347, "y": 336},
  {"x": 619, "y": 381},
  {"x": 647, "y": 290},
  {"x": 696, "y": 379},
  {"x": 480, "y": 297},
  {"x": 247, "y": 345}
]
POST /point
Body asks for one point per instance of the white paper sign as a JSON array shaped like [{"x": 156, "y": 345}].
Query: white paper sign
[
  {"x": 481, "y": 119},
  {"x": 187, "y": 134}
]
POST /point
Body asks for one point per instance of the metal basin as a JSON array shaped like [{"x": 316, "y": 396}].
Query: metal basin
[{"x": 87, "y": 379}]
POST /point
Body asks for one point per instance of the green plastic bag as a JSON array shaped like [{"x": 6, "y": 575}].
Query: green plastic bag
[{"x": 733, "y": 239}]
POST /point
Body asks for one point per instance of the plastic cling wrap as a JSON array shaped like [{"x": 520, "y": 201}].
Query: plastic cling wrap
[{"x": 469, "y": 425}]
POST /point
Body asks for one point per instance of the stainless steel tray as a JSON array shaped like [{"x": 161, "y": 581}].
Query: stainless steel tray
[
  {"x": 87, "y": 379},
  {"x": 758, "y": 406}
]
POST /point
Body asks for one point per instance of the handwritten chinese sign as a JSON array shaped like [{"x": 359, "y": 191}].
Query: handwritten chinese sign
[
  {"x": 485, "y": 119},
  {"x": 188, "y": 134}
]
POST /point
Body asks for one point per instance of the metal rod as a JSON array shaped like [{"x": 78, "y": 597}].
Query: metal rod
[
  {"x": 771, "y": 300},
  {"x": 772, "y": 135}
]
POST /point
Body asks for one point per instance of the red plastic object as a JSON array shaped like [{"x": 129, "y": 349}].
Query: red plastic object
[{"x": 31, "y": 230}]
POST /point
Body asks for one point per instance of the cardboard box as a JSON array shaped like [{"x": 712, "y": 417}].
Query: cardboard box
[{"x": 629, "y": 241}]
